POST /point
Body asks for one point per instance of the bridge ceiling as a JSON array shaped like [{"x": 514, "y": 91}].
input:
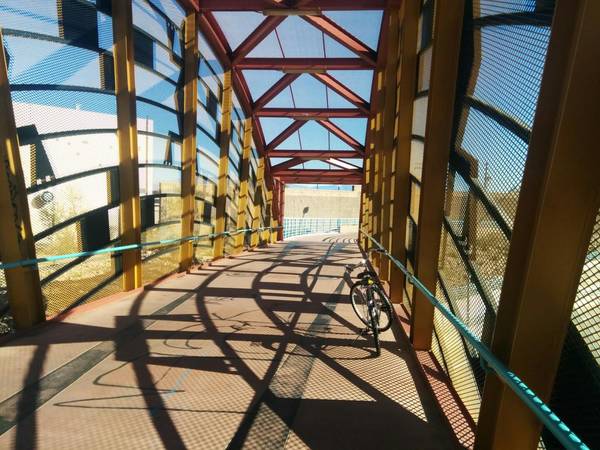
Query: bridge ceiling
[{"x": 304, "y": 72}]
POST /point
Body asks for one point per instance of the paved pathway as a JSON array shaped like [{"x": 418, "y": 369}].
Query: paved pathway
[{"x": 257, "y": 352}]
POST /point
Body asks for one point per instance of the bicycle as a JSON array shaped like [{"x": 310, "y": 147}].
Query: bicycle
[{"x": 369, "y": 301}]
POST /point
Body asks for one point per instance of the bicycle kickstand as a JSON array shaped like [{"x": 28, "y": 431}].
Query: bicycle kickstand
[{"x": 362, "y": 332}]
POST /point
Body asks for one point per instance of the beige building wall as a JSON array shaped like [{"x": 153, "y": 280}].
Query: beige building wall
[{"x": 312, "y": 203}]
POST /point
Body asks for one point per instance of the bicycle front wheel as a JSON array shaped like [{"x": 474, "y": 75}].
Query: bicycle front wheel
[{"x": 382, "y": 307}]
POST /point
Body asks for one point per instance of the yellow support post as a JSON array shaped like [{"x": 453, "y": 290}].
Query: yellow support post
[
  {"x": 188, "y": 150},
  {"x": 130, "y": 219},
  {"x": 558, "y": 204},
  {"x": 377, "y": 162},
  {"x": 243, "y": 203},
  {"x": 405, "y": 98},
  {"x": 221, "y": 201},
  {"x": 258, "y": 201},
  {"x": 22, "y": 283},
  {"x": 387, "y": 136},
  {"x": 447, "y": 33}
]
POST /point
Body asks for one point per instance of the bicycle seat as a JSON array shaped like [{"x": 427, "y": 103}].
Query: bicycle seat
[{"x": 367, "y": 273}]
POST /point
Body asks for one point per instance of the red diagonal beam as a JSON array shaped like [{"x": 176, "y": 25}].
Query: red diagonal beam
[
  {"x": 215, "y": 37},
  {"x": 337, "y": 163},
  {"x": 314, "y": 154},
  {"x": 311, "y": 113},
  {"x": 342, "y": 90},
  {"x": 259, "y": 5},
  {"x": 261, "y": 32},
  {"x": 336, "y": 32},
  {"x": 345, "y": 137},
  {"x": 303, "y": 64},
  {"x": 294, "y": 126},
  {"x": 272, "y": 92},
  {"x": 317, "y": 172},
  {"x": 286, "y": 164}
]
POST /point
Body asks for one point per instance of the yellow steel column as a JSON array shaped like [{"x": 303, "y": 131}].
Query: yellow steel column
[
  {"x": 387, "y": 141},
  {"x": 22, "y": 283},
  {"x": 559, "y": 200},
  {"x": 405, "y": 99},
  {"x": 377, "y": 161},
  {"x": 130, "y": 219},
  {"x": 243, "y": 204},
  {"x": 188, "y": 150},
  {"x": 266, "y": 234},
  {"x": 221, "y": 201},
  {"x": 447, "y": 34},
  {"x": 258, "y": 200}
]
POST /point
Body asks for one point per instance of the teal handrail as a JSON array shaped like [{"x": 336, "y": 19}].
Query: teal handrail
[
  {"x": 557, "y": 427},
  {"x": 125, "y": 248}
]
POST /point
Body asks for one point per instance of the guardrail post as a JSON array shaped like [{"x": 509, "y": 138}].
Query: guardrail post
[
  {"x": 559, "y": 200},
  {"x": 130, "y": 217},
  {"x": 258, "y": 201},
  {"x": 269, "y": 219},
  {"x": 405, "y": 95},
  {"x": 377, "y": 160},
  {"x": 387, "y": 136},
  {"x": 188, "y": 150},
  {"x": 438, "y": 136},
  {"x": 22, "y": 283},
  {"x": 221, "y": 200},
  {"x": 243, "y": 203}
]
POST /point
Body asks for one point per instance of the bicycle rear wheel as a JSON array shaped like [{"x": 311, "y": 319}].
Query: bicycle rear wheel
[{"x": 383, "y": 309}]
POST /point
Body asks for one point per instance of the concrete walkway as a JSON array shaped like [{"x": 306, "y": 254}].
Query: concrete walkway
[{"x": 257, "y": 352}]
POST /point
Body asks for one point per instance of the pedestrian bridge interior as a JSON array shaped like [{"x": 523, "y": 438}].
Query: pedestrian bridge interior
[{"x": 148, "y": 298}]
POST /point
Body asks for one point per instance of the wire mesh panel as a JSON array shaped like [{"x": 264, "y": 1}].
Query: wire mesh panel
[
  {"x": 576, "y": 394},
  {"x": 60, "y": 69},
  {"x": 158, "y": 75},
  {"x": 501, "y": 64},
  {"x": 300, "y": 226},
  {"x": 210, "y": 90}
]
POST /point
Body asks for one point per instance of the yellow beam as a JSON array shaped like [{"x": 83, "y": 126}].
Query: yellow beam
[
  {"x": 188, "y": 149},
  {"x": 130, "y": 218},
  {"x": 405, "y": 99},
  {"x": 221, "y": 201},
  {"x": 559, "y": 200},
  {"x": 377, "y": 160},
  {"x": 447, "y": 34},
  {"x": 22, "y": 283},
  {"x": 387, "y": 136},
  {"x": 258, "y": 201},
  {"x": 243, "y": 203}
]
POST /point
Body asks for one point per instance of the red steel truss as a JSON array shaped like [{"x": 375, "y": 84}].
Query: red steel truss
[{"x": 237, "y": 60}]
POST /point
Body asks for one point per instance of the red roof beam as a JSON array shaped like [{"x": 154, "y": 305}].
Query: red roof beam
[
  {"x": 342, "y": 90},
  {"x": 317, "y": 172},
  {"x": 294, "y": 126},
  {"x": 286, "y": 164},
  {"x": 272, "y": 92},
  {"x": 316, "y": 180},
  {"x": 336, "y": 32},
  {"x": 314, "y": 154},
  {"x": 345, "y": 137},
  {"x": 311, "y": 113},
  {"x": 303, "y": 64},
  {"x": 261, "y": 32},
  {"x": 259, "y": 5}
]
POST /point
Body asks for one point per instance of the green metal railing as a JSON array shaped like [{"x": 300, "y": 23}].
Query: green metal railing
[
  {"x": 129, "y": 247},
  {"x": 554, "y": 424}
]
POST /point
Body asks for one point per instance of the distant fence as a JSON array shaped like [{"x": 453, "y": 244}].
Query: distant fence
[{"x": 298, "y": 226}]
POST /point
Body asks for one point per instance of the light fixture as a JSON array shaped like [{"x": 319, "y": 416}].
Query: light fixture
[{"x": 291, "y": 12}]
